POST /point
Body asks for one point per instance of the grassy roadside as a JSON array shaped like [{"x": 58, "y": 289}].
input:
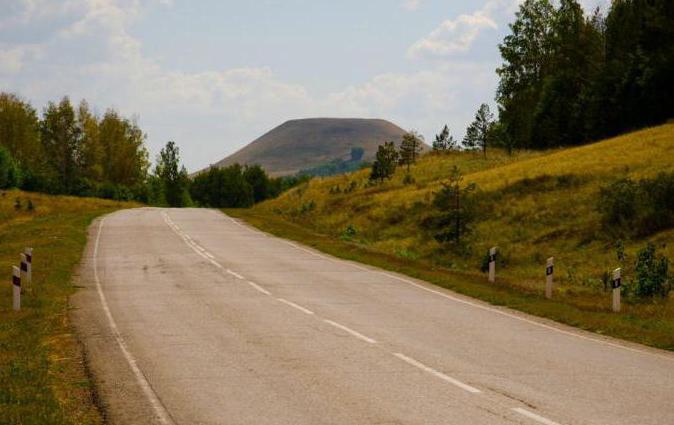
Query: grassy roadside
[
  {"x": 42, "y": 374},
  {"x": 644, "y": 323}
]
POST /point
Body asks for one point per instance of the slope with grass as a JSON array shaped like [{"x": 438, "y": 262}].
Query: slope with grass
[
  {"x": 534, "y": 205},
  {"x": 42, "y": 374}
]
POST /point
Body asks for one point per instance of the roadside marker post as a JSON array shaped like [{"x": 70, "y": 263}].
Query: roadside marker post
[
  {"x": 16, "y": 286},
  {"x": 616, "y": 284},
  {"x": 549, "y": 274},
  {"x": 29, "y": 262},
  {"x": 492, "y": 264},
  {"x": 24, "y": 271}
]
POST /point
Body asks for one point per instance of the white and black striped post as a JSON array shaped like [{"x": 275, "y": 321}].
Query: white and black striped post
[
  {"x": 616, "y": 284},
  {"x": 549, "y": 273},
  {"x": 23, "y": 267},
  {"x": 16, "y": 287},
  {"x": 492, "y": 264},
  {"x": 29, "y": 263}
]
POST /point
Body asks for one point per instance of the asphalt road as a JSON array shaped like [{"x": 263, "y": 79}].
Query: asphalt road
[{"x": 190, "y": 317}]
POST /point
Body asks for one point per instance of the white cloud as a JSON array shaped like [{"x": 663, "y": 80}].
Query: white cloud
[
  {"x": 452, "y": 36},
  {"x": 89, "y": 53}
]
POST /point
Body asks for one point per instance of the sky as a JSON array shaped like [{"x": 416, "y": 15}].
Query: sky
[{"x": 213, "y": 75}]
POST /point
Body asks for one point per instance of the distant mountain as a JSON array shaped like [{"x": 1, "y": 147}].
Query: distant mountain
[{"x": 308, "y": 143}]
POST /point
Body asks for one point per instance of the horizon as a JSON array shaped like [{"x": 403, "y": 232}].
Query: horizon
[{"x": 197, "y": 75}]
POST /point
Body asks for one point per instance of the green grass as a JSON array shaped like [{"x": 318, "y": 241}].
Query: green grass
[
  {"x": 534, "y": 205},
  {"x": 42, "y": 375}
]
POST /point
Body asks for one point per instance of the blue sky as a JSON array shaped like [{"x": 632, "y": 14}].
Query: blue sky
[{"x": 214, "y": 75}]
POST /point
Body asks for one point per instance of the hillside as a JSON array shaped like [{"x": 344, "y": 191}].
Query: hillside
[
  {"x": 42, "y": 373},
  {"x": 533, "y": 205},
  {"x": 301, "y": 144}
]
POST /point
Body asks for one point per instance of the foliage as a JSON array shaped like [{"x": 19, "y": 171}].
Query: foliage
[
  {"x": 173, "y": 179},
  {"x": 454, "y": 210},
  {"x": 410, "y": 148},
  {"x": 238, "y": 187},
  {"x": 338, "y": 166},
  {"x": 652, "y": 274},
  {"x": 638, "y": 208},
  {"x": 385, "y": 162},
  {"x": 568, "y": 78},
  {"x": 73, "y": 151},
  {"x": 478, "y": 132},
  {"x": 444, "y": 141},
  {"x": 10, "y": 174}
]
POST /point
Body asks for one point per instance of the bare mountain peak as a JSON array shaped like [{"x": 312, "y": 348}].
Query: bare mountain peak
[{"x": 309, "y": 142}]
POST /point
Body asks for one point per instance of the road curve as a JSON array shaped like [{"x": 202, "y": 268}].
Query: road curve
[{"x": 190, "y": 317}]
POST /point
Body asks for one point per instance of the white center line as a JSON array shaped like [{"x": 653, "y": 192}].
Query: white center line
[
  {"x": 531, "y": 415},
  {"x": 351, "y": 331},
  {"x": 438, "y": 374},
  {"x": 258, "y": 287},
  {"x": 292, "y": 304}
]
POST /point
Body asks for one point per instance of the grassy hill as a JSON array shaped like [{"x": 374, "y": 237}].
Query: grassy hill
[
  {"x": 534, "y": 205},
  {"x": 42, "y": 374},
  {"x": 306, "y": 143}
]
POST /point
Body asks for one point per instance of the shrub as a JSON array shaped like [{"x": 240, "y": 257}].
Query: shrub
[
  {"x": 638, "y": 208},
  {"x": 348, "y": 233},
  {"x": 652, "y": 274}
]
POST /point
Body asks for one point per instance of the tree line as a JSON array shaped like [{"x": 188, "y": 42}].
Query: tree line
[
  {"x": 71, "y": 150},
  {"x": 569, "y": 78}
]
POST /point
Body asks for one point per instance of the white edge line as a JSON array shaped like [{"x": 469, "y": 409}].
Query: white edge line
[
  {"x": 474, "y": 304},
  {"x": 235, "y": 274},
  {"x": 531, "y": 415},
  {"x": 438, "y": 374},
  {"x": 258, "y": 287},
  {"x": 156, "y": 404},
  {"x": 350, "y": 331},
  {"x": 523, "y": 319},
  {"x": 292, "y": 304}
]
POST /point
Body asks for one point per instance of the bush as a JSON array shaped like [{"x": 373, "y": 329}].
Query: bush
[
  {"x": 638, "y": 208},
  {"x": 652, "y": 274},
  {"x": 349, "y": 233}
]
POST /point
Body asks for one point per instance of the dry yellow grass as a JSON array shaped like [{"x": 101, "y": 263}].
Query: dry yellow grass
[{"x": 535, "y": 205}]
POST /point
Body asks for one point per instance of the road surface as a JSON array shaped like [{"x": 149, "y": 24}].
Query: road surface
[{"x": 190, "y": 317}]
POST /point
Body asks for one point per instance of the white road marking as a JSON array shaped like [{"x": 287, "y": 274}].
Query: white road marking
[
  {"x": 258, "y": 287},
  {"x": 438, "y": 374},
  {"x": 473, "y": 304},
  {"x": 235, "y": 274},
  {"x": 531, "y": 415},
  {"x": 292, "y": 304},
  {"x": 162, "y": 415},
  {"x": 351, "y": 331}
]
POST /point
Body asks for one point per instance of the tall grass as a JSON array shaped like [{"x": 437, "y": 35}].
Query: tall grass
[{"x": 534, "y": 205}]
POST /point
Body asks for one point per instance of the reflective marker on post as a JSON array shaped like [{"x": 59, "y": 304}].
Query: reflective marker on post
[
  {"x": 16, "y": 285},
  {"x": 29, "y": 261},
  {"x": 549, "y": 272},
  {"x": 24, "y": 271},
  {"x": 492, "y": 264},
  {"x": 616, "y": 284}
]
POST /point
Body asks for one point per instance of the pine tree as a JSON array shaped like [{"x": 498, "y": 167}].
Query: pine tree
[
  {"x": 478, "y": 132},
  {"x": 410, "y": 148},
  {"x": 444, "y": 141},
  {"x": 385, "y": 162}
]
